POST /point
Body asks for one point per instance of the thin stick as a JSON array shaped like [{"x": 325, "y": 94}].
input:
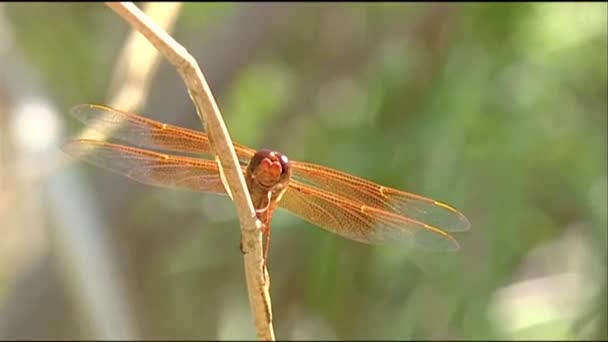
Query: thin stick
[
  {"x": 138, "y": 61},
  {"x": 136, "y": 66},
  {"x": 256, "y": 274}
]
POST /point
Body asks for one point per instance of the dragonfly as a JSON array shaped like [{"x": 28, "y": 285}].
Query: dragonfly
[{"x": 339, "y": 202}]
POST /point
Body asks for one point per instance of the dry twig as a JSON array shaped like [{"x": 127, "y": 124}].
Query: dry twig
[
  {"x": 138, "y": 61},
  {"x": 209, "y": 113}
]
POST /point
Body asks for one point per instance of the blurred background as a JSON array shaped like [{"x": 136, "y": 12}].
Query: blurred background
[{"x": 497, "y": 109}]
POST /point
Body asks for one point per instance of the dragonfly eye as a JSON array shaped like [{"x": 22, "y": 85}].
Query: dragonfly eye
[
  {"x": 272, "y": 156},
  {"x": 270, "y": 168},
  {"x": 285, "y": 164}
]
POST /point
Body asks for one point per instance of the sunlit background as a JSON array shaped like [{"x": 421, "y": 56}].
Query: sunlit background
[{"x": 497, "y": 109}]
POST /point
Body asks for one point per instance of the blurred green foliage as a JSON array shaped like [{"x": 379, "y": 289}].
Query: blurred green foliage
[{"x": 497, "y": 109}]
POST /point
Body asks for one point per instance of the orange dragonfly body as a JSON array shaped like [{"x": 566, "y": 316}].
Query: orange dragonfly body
[{"x": 341, "y": 203}]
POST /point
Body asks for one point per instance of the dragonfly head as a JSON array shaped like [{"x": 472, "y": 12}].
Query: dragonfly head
[{"x": 268, "y": 170}]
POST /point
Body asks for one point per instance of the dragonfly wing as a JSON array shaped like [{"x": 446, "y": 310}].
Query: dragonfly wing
[
  {"x": 151, "y": 168},
  {"x": 409, "y": 205},
  {"x": 360, "y": 222},
  {"x": 146, "y": 133}
]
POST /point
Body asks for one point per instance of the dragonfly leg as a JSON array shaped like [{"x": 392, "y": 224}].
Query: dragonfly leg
[
  {"x": 241, "y": 246},
  {"x": 265, "y": 214},
  {"x": 267, "y": 233}
]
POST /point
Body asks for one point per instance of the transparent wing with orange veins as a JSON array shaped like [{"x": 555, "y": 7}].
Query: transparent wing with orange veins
[
  {"x": 151, "y": 168},
  {"x": 337, "y": 214},
  {"x": 411, "y": 206},
  {"x": 143, "y": 132},
  {"x": 362, "y": 223}
]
